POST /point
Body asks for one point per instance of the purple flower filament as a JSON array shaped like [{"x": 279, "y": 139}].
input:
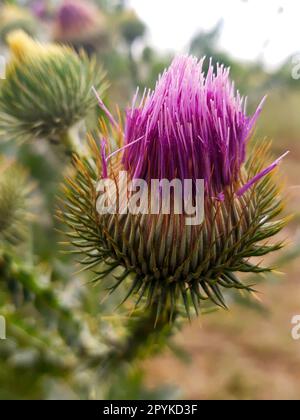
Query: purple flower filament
[{"x": 192, "y": 126}]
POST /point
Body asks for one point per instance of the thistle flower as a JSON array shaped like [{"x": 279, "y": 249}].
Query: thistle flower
[
  {"x": 47, "y": 89},
  {"x": 193, "y": 127},
  {"x": 14, "y": 192},
  {"x": 81, "y": 24},
  {"x": 15, "y": 18}
]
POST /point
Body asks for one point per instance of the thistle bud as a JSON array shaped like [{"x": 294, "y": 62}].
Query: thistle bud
[
  {"x": 47, "y": 89},
  {"x": 14, "y": 18},
  {"x": 192, "y": 129}
]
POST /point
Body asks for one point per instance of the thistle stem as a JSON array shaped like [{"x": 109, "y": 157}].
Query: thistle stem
[
  {"x": 133, "y": 67},
  {"x": 147, "y": 334},
  {"x": 72, "y": 142}
]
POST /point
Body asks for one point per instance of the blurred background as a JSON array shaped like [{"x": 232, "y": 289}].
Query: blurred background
[{"x": 57, "y": 325}]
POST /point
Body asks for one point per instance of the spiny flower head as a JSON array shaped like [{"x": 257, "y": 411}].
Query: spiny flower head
[
  {"x": 193, "y": 126},
  {"x": 47, "y": 89}
]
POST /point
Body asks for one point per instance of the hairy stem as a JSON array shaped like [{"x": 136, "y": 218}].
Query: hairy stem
[{"x": 147, "y": 335}]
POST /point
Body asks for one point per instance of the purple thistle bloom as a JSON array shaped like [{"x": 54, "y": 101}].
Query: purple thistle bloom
[
  {"x": 81, "y": 24},
  {"x": 78, "y": 19},
  {"x": 73, "y": 14},
  {"x": 191, "y": 126}
]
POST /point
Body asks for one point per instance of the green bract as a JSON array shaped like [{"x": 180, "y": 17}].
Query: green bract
[{"x": 162, "y": 261}]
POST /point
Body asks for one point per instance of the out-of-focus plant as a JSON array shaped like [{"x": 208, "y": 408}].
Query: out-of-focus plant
[
  {"x": 112, "y": 5},
  {"x": 250, "y": 78},
  {"x": 205, "y": 43},
  {"x": 14, "y": 192},
  {"x": 150, "y": 65},
  {"x": 55, "y": 333},
  {"x": 132, "y": 29},
  {"x": 82, "y": 25},
  {"x": 191, "y": 127},
  {"x": 55, "y": 337},
  {"x": 42, "y": 9},
  {"x": 47, "y": 90},
  {"x": 13, "y": 17}
]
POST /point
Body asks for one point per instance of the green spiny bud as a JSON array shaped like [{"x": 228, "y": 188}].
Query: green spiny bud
[{"x": 47, "y": 89}]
